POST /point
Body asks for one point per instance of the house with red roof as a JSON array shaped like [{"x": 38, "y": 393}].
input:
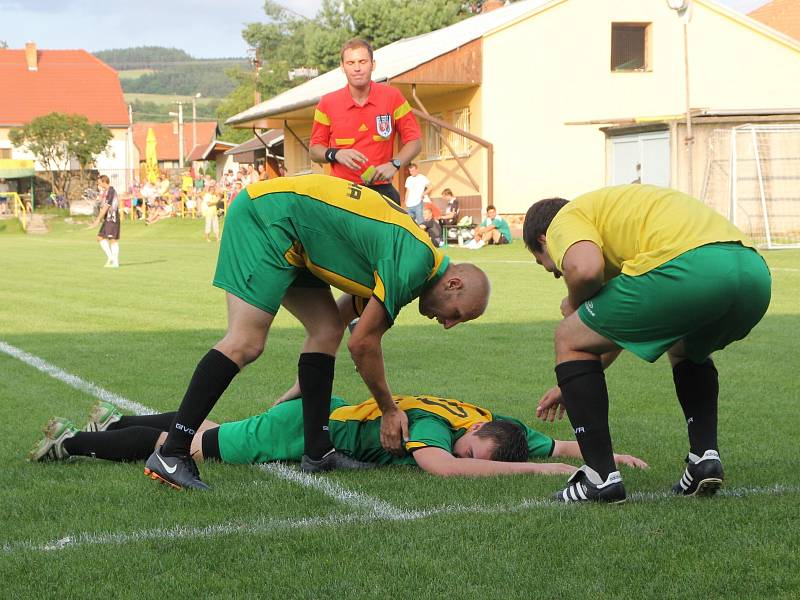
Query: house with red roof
[
  {"x": 38, "y": 82},
  {"x": 783, "y": 15}
]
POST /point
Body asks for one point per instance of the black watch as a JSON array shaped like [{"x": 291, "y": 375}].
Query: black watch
[{"x": 396, "y": 163}]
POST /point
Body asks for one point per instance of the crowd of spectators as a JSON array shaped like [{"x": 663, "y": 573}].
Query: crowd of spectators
[{"x": 187, "y": 194}]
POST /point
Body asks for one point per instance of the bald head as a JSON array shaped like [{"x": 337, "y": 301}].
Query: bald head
[{"x": 460, "y": 294}]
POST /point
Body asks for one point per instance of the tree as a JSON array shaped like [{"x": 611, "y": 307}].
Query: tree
[{"x": 56, "y": 140}]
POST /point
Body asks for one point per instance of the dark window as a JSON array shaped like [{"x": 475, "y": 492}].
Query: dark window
[{"x": 629, "y": 46}]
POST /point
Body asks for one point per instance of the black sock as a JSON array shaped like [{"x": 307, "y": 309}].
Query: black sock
[
  {"x": 131, "y": 443},
  {"x": 583, "y": 387},
  {"x": 161, "y": 421},
  {"x": 315, "y": 374},
  {"x": 210, "y": 444},
  {"x": 697, "y": 387},
  {"x": 211, "y": 378}
]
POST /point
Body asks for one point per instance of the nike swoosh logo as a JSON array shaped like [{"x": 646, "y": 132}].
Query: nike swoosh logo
[{"x": 167, "y": 468}]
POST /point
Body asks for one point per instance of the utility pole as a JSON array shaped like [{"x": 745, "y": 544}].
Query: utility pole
[
  {"x": 179, "y": 114},
  {"x": 194, "y": 119},
  {"x": 257, "y": 67}
]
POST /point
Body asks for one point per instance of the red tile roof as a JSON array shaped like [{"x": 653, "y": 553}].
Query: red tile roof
[
  {"x": 167, "y": 144},
  {"x": 783, "y": 15},
  {"x": 67, "y": 81}
]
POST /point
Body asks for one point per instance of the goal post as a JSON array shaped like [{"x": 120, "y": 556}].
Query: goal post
[{"x": 752, "y": 177}]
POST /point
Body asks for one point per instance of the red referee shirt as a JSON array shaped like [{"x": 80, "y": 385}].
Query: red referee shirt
[{"x": 340, "y": 123}]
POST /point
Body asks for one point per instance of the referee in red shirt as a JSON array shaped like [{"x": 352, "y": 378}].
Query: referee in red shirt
[{"x": 354, "y": 127}]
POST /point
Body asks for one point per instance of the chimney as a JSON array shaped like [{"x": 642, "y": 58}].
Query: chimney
[
  {"x": 490, "y": 5},
  {"x": 31, "y": 57}
]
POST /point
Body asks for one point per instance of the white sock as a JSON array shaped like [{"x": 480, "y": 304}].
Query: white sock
[
  {"x": 115, "y": 253},
  {"x": 106, "y": 248}
]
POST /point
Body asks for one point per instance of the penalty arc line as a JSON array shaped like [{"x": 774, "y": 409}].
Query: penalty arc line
[{"x": 374, "y": 506}]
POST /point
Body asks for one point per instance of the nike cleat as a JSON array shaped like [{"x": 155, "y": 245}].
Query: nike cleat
[
  {"x": 703, "y": 475},
  {"x": 585, "y": 485},
  {"x": 333, "y": 461},
  {"x": 178, "y": 472},
  {"x": 51, "y": 447},
  {"x": 102, "y": 415}
]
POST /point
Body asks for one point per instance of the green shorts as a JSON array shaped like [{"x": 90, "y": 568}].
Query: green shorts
[
  {"x": 708, "y": 297},
  {"x": 253, "y": 264},
  {"x": 276, "y": 434}
]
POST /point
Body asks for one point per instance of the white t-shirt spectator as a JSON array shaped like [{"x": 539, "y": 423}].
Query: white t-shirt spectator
[{"x": 415, "y": 189}]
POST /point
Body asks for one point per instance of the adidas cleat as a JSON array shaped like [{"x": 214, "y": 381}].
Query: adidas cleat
[
  {"x": 178, "y": 472},
  {"x": 51, "y": 447},
  {"x": 703, "y": 475},
  {"x": 585, "y": 485},
  {"x": 102, "y": 415},
  {"x": 333, "y": 461}
]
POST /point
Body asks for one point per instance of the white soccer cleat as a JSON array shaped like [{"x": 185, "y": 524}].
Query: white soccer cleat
[{"x": 51, "y": 447}]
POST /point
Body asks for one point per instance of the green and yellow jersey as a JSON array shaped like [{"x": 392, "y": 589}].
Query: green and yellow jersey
[
  {"x": 432, "y": 421},
  {"x": 277, "y": 434},
  {"x": 638, "y": 227},
  {"x": 344, "y": 234}
]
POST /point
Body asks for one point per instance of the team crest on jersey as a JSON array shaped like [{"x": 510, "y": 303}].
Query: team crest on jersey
[{"x": 383, "y": 123}]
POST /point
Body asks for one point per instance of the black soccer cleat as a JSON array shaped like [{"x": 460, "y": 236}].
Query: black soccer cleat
[
  {"x": 703, "y": 475},
  {"x": 585, "y": 485},
  {"x": 178, "y": 472},
  {"x": 333, "y": 461}
]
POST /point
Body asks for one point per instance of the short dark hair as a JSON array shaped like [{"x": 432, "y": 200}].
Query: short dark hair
[
  {"x": 356, "y": 43},
  {"x": 447, "y": 191},
  {"x": 538, "y": 219},
  {"x": 511, "y": 443},
  {"x": 490, "y": 207},
  {"x": 104, "y": 178},
  {"x": 415, "y": 165}
]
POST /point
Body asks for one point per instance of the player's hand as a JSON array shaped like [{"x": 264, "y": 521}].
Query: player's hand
[
  {"x": 551, "y": 405},
  {"x": 350, "y": 158},
  {"x": 394, "y": 431},
  {"x": 630, "y": 461},
  {"x": 384, "y": 172}
]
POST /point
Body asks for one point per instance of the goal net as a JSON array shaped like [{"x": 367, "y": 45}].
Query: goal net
[{"x": 752, "y": 177}]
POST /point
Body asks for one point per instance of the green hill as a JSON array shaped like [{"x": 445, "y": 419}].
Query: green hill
[{"x": 170, "y": 71}]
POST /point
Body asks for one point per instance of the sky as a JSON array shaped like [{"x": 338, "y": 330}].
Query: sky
[{"x": 203, "y": 28}]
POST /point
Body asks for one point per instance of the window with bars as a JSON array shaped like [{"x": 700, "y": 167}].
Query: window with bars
[
  {"x": 460, "y": 144},
  {"x": 5, "y": 153},
  {"x": 433, "y": 141},
  {"x": 436, "y": 148},
  {"x": 629, "y": 46}
]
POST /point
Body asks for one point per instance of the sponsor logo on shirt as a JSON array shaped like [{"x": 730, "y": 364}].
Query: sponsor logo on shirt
[{"x": 383, "y": 123}]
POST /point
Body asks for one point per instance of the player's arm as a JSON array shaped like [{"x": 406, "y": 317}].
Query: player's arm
[
  {"x": 440, "y": 462},
  {"x": 572, "y": 450},
  {"x": 365, "y": 348},
  {"x": 100, "y": 216},
  {"x": 583, "y": 267}
]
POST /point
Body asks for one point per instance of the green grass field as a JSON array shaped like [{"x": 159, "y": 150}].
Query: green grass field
[{"x": 97, "y": 529}]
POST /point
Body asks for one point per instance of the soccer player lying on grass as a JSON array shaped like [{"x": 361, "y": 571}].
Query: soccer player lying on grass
[{"x": 446, "y": 437}]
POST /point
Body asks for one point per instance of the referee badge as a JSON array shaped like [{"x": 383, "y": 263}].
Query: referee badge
[{"x": 383, "y": 123}]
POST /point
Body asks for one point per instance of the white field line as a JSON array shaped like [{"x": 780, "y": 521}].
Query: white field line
[
  {"x": 268, "y": 526},
  {"x": 75, "y": 381},
  {"x": 370, "y": 509},
  {"x": 379, "y": 508}
]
